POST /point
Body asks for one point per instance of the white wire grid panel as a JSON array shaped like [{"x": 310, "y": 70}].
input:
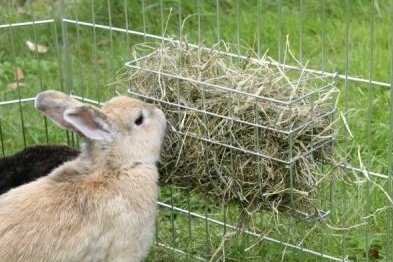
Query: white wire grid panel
[{"x": 67, "y": 31}]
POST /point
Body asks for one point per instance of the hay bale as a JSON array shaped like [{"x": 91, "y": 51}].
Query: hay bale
[{"x": 240, "y": 128}]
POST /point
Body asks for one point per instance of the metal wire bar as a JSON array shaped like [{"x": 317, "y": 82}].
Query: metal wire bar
[
  {"x": 301, "y": 29},
  {"x": 38, "y": 22},
  {"x": 13, "y": 54},
  {"x": 95, "y": 56},
  {"x": 112, "y": 58},
  {"x": 251, "y": 233},
  {"x": 126, "y": 21},
  {"x": 238, "y": 25},
  {"x": 79, "y": 48},
  {"x": 162, "y": 18},
  {"x": 323, "y": 30},
  {"x": 143, "y": 19},
  {"x": 389, "y": 220},
  {"x": 66, "y": 57},
  {"x": 369, "y": 118},
  {"x": 218, "y": 20},
  {"x": 346, "y": 96},
  {"x": 258, "y": 27},
  {"x": 38, "y": 57},
  {"x": 198, "y": 3},
  {"x": 279, "y": 11},
  {"x": 179, "y": 10},
  {"x": 317, "y": 72}
]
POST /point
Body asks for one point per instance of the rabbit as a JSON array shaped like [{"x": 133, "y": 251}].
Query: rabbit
[
  {"x": 31, "y": 163},
  {"x": 102, "y": 205}
]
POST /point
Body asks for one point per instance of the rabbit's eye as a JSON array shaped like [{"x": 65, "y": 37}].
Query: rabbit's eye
[{"x": 139, "y": 120}]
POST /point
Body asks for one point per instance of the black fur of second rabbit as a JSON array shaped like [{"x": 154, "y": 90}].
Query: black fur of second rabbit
[{"x": 32, "y": 163}]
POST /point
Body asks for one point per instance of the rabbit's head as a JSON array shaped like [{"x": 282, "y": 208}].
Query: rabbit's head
[{"x": 124, "y": 130}]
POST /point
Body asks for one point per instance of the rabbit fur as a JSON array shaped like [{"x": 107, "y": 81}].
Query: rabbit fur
[
  {"x": 100, "y": 206},
  {"x": 31, "y": 163}
]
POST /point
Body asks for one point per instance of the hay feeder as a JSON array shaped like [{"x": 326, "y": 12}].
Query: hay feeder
[{"x": 247, "y": 131}]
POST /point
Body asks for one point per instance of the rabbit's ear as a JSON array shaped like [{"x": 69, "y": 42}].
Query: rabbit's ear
[
  {"x": 90, "y": 122},
  {"x": 53, "y": 104}
]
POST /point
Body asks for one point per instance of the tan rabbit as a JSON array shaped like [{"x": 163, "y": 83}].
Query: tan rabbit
[{"x": 100, "y": 206}]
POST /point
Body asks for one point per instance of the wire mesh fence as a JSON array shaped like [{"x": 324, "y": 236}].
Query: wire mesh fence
[{"x": 88, "y": 49}]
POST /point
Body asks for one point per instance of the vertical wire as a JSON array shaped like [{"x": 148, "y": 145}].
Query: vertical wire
[
  {"x": 218, "y": 20},
  {"x": 59, "y": 54},
  {"x": 95, "y": 56},
  {"x": 173, "y": 232},
  {"x": 199, "y": 20},
  {"x": 38, "y": 57},
  {"x": 68, "y": 59},
  {"x": 291, "y": 165},
  {"x": 346, "y": 100},
  {"x": 323, "y": 32},
  {"x": 258, "y": 27},
  {"x": 189, "y": 218},
  {"x": 112, "y": 58},
  {"x": 279, "y": 30},
  {"x": 301, "y": 29},
  {"x": 258, "y": 130},
  {"x": 180, "y": 19},
  {"x": 162, "y": 17},
  {"x": 126, "y": 25},
  {"x": 231, "y": 142},
  {"x": 189, "y": 227},
  {"x": 205, "y": 146},
  {"x": 171, "y": 187},
  {"x": 389, "y": 255},
  {"x": 331, "y": 183},
  {"x": 82, "y": 88},
  {"x": 59, "y": 61},
  {"x": 60, "y": 58},
  {"x": 144, "y": 19},
  {"x": 68, "y": 68},
  {"x": 290, "y": 135},
  {"x": 13, "y": 53},
  {"x": 78, "y": 45},
  {"x": 238, "y": 26},
  {"x": 369, "y": 118}
]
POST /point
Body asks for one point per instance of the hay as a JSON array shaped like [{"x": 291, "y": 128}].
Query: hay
[{"x": 228, "y": 138}]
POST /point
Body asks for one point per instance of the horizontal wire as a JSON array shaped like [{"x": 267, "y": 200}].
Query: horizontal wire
[
  {"x": 359, "y": 170},
  {"x": 27, "y": 23}
]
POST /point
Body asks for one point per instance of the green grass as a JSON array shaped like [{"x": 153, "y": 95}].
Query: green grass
[{"x": 86, "y": 60}]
